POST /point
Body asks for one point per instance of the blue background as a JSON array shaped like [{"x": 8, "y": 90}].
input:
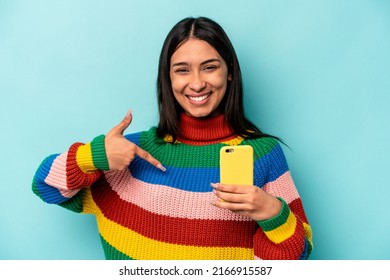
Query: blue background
[{"x": 316, "y": 73}]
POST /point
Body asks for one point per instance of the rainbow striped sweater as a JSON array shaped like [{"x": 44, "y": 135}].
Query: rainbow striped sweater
[{"x": 144, "y": 213}]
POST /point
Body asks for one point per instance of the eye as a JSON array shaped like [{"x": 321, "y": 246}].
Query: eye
[
  {"x": 210, "y": 68},
  {"x": 181, "y": 70}
]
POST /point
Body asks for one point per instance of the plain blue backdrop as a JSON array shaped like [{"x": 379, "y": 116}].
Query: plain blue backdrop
[{"x": 316, "y": 74}]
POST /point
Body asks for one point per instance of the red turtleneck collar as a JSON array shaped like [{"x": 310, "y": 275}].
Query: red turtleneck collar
[{"x": 202, "y": 131}]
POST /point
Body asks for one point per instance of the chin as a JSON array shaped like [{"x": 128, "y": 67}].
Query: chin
[
  {"x": 199, "y": 114},
  {"x": 203, "y": 113}
]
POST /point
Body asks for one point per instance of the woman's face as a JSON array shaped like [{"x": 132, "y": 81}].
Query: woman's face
[{"x": 199, "y": 78}]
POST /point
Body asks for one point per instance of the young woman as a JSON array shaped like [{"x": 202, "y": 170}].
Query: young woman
[{"x": 156, "y": 194}]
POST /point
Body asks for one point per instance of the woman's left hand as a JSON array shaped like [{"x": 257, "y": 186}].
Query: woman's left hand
[{"x": 250, "y": 201}]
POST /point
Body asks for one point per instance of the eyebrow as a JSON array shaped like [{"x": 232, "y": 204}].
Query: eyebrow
[{"x": 203, "y": 63}]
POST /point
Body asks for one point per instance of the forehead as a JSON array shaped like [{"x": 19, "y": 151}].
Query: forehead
[{"x": 194, "y": 50}]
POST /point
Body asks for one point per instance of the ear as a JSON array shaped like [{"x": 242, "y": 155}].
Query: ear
[{"x": 229, "y": 77}]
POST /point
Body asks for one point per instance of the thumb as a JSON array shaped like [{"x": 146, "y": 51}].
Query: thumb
[{"x": 126, "y": 121}]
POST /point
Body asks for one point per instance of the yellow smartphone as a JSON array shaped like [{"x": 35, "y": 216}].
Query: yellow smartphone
[{"x": 236, "y": 165}]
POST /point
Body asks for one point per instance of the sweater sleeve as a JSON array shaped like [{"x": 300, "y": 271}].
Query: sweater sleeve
[
  {"x": 60, "y": 178},
  {"x": 287, "y": 235}
]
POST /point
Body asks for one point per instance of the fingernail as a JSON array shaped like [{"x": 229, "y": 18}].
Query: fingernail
[
  {"x": 213, "y": 201},
  {"x": 129, "y": 113},
  {"x": 161, "y": 167},
  {"x": 214, "y": 186}
]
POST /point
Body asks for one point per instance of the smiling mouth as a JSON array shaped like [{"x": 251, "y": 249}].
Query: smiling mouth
[{"x": 199, "y": 98}]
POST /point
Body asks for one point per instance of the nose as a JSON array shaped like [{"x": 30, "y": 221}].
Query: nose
[{"x": 196, "y": 83}]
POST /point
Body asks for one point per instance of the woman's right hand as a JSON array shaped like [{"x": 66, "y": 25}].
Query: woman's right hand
[{"x": 120, "y": 152}]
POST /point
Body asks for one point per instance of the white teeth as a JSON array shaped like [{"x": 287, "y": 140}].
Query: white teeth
[{"x": 198, "y": 98}]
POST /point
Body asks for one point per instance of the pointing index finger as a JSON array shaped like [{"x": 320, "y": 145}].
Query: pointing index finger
[{"x": 149, "y": 158}]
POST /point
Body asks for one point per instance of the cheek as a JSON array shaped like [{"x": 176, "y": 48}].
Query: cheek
[
  {"x": 221, "y": 80},
  {"x": 177, "y": 84},
  {"x": 221, "y": 85}
]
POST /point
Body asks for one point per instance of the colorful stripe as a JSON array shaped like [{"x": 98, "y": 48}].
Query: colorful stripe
[
  {"x": 308, "y": 233},
  {"x": 98, "y": 151},
  {"x": 84, "y": 158},
  {"x": 284, "y": 231},
  {"x": 57, "y": 173},
  {"x": 306, "y": 251},
  {"x": 138, "y": 246},
  {"x": 75, "y": 177},
  {"x": 197, "y": 172},
  {"x": 42, "y": 188},
  {"x": 186, "y": 178},
  {"x": 265, "y": 169},
  {"x": 146, "y": 196},
  {"x": 234, "y": 142},
  {"x": 172, "y": 229},
  {"x": 282, "y": 187},
  {"x": 179, "y": 155}
]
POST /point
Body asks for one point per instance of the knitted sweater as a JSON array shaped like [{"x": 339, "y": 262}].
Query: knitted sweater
[{"x": 144, "y": 213}]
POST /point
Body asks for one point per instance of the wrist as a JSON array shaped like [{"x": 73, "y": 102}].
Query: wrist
[{"x": 278, "y": 218}]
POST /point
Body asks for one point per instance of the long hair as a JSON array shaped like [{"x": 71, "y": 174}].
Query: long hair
[{"x": 231, "y": 105}]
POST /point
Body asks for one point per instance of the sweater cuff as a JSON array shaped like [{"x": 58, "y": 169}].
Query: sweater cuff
[
  {"x": 98, "y": 151},
  {"x": 280, "y": 227}
]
